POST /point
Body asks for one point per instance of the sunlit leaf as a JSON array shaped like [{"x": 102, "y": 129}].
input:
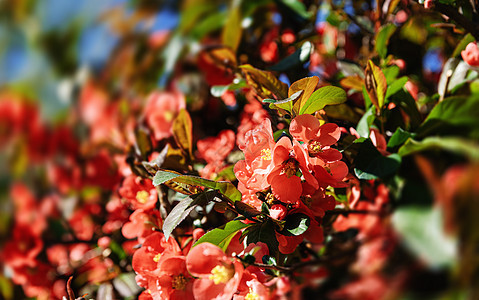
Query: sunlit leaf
[
  {"x": 286, "y": 104},
  {"x": 450, "y": 114},
  {"x": 456, "y": 145},
  {"x": 224, "y": 187},
  {"x": 221, "y": 237},
  {"x": 352, "y": 82},
  {"x": 328, "y": 95},
  {"x": 422, "y": 231},
  {"x": 231, "y": 34},
  {"x": 375, "y": 83},
  {"x": 264, "y": 82},
  {"x": 182, "y": 131},
  {"x": 382, "y": 39},
  {"x": 307, "y": 85},
  {"x": 298, "y": 7}
]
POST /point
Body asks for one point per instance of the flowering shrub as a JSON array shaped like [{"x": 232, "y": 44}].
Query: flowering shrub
[{"x": 251, "y": 150}]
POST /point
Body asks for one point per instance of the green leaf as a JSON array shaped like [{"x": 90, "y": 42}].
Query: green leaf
[
  {"x": 328, "y": 95},
  {"x": 231, "y": 34},
  {"x": 297, "y": 58},
  {"x": 450, "y": 114},
  {"x": 375, "y": 84},
  {"x": 295, "y": 224},
  {"x": 422, "y": 231},
  {"x": 264, "y": 232},
  {"x": 468, "y": 38},
  {"x": 298, "y": 7},
  {"x": 286, "y": 104},
  {"x": 164, "y": 176},
  {"x": 382, "y": 39},
  {"x": 265, "y": 83},
  {"x": 391, "y": 73},
  {"x": 182, "y": 132},
  {"x": 398, "y": 138},
  {"x": 219, "y": 90},
  {"x": 211, "y": 23},
  {"x": 370, "y": 164},
  {"x": 183, "y": 209},
  {"x": 221, "y": 237},
  {"x": 456, "y": 145},
  {"x": 307, "y": 85},
  {"x": 379, "y": 167},
  {"x": 365, "y": 123},
  {"x": 224, "y": 187},
  {"x": 396, "y": 86}
]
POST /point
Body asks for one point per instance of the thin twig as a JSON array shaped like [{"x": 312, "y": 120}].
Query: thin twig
[{"x": 452, "y": 13}]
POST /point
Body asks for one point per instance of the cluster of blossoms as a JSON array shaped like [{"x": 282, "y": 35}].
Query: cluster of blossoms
[
  {"x": 169, "y": 271},
  {"x": 291, "y": 176}
]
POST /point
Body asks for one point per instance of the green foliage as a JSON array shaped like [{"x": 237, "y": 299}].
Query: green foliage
[
  {"x": 370, "y": 164},
  {"x": 224, "y": 187},
  {"x": 183, "y": 209},
  {"x": 423, "y": 231},
  {"x": 295, "y": 224},
  {"x": 328, "y": 95},
  {"x": 382, "y": 39},
  {"x": 222, "y": 237}
]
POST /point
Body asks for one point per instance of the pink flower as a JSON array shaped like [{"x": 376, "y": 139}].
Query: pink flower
[
  {"x": 161, "y": 110},
  {"x": 471, "y": 54},
  {"x": 141, "y": 224},
  {"x": 219, "y": 276},
  {"x": 139, "y": 192},
  {"x": 253, "y": 170}
]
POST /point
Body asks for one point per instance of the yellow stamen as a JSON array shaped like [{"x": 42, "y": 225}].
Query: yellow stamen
[
  {"x": 179, "y": 282},
  {"x": 157, "y": 257},
  {"x": 266, "y": 154},
  {"x": 252, "y": 295},
  {"x": 314, "y": 147},
  {"x": 220, "y": 274},
  {"x": 142, "y": 196}
]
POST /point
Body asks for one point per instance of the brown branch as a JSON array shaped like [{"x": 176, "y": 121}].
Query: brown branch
[{"x": 453, "y": 14}]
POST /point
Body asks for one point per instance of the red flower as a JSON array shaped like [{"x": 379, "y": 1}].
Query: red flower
[
  {"x": 318, "y": 138},
  {"x": 161, "y": 110},
  {"x": 141, "y": 224},
  {"x": 23, "y": 247},
  {"x": 172, "y": 280},
  {"x": 289, "y": 158},
  {"x": 214, "y": 151},
  {"x": 139, "y": 192},
  {"x": 219, "y": 276}
]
